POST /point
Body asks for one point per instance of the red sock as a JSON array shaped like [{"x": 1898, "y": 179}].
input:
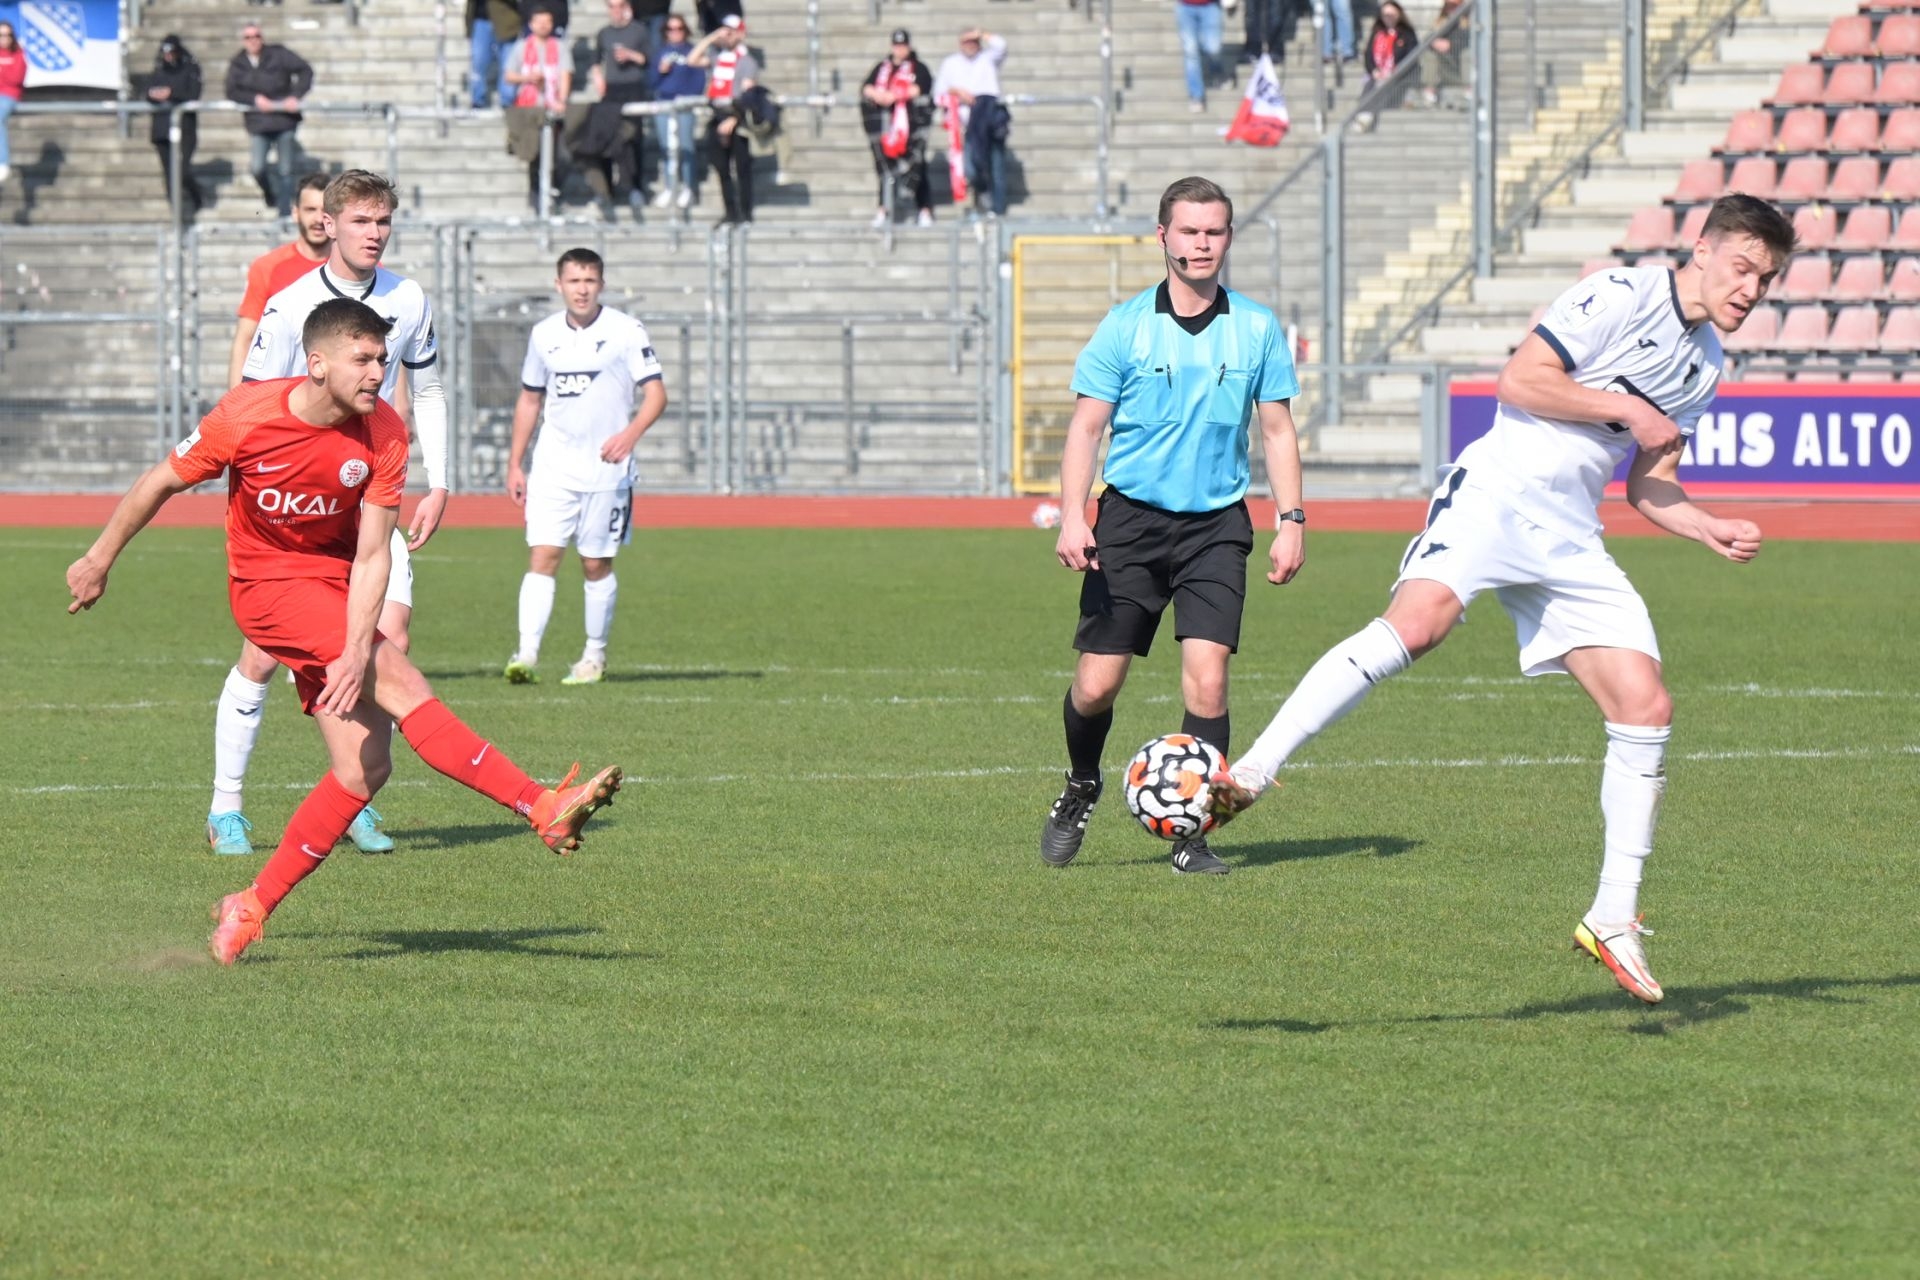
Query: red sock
[
  {"x": 322, "y": 818},
  {"x": 444, "y": 742}
]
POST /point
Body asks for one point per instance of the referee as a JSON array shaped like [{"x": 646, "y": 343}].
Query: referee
[{"x": 1176, "y": 371}]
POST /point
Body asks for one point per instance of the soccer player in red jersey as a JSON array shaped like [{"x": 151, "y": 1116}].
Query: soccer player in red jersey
[
  {"x": 315, "y": 467},
  {"x": 277, "y": 268}
]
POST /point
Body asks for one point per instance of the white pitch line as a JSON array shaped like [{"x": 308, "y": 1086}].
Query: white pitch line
[{"x": 1817, "y": 695}]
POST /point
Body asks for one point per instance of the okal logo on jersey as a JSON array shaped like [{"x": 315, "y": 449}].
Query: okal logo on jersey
[
  {"x": 297, "y": 504},
  {"x": 568, "y": 385},
  {"x": 353, "y": 471}
]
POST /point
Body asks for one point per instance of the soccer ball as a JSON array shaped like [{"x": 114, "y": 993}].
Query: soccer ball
[{"x": 1167, "y": 785}]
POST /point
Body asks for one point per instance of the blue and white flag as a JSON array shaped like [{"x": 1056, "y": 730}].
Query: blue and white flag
[{"x": 68, "y": 42}]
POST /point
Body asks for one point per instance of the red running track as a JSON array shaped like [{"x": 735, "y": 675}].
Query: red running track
[{"x": 1784, "y": 518}]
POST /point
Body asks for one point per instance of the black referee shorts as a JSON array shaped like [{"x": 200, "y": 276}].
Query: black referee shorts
[{"x": 1197, "y": 561}]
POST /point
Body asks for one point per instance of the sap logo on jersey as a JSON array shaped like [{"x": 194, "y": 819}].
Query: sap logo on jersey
[
  {"x": 353, "y": 471},
  {"x": 297, "y": 504},
  {"x": 568, "y": 385}
]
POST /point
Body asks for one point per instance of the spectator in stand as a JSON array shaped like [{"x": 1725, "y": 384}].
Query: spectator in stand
[
  {"x": 733, "y": 71},
  {"x": 13, "y": 78},
  {"x": 969, "y": 82},
  {"x": 1199, "y": 22},
  {"x": 1389, "y": 44},
  {"x": 714, "y": 13},
  {"x": 176, "y": 79},
  {"x": 1269, "y": 23},
  {"x": 1440, "y": 64},
  {"x": 270, "y": 79},
  {"x": 674, "y": 78},
  {"x": 653, "y": 16},
  {"x": 540, "y": 68},
  {"x": 492, "y": 25},
  {"x": 619, "y": 77},
  {"x": 1338, "y": 31},
  {"x": 896, "y": 105},
  {"x": 556, "y": 9}
]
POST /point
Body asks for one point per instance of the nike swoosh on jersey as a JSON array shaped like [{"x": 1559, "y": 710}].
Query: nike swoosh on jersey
[{"x": 263, "y": 467}]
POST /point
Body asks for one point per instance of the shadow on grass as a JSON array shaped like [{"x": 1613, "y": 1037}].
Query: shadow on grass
[
  {"x": 1684, "y": 1006},
  {"x": 428, "y": 839},
  {"x": 1268, "y": 853},
  {"x": 388, "y": 943},
  {"x": 612, "y": 677}
]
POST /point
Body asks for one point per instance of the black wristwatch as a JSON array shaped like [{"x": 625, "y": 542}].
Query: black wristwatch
[{"x": 1296, "y": 515}]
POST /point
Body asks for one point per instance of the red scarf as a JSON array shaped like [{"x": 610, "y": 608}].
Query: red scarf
[
  {"x": 1386, "y": 42},
  {"x": 956, "y": 146},
  {"x": 542, "y": 56},
  {"x": 904, "y": 86},
  {"x": 720, "y": 83}
]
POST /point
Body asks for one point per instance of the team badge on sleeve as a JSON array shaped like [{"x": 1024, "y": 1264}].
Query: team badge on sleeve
[
  {"x": 185, "y": 447},
  {"x": 1582, "y": 309},
  {"x": 353, "y": 472}
]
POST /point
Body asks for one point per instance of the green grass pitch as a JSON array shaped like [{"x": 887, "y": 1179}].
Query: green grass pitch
[{"x": 807, "y": 1003}]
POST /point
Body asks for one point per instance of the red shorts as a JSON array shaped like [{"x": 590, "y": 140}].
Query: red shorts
[{"x": 302, "y": 622}]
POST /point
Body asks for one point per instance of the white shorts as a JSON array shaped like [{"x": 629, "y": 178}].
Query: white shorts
[
  {"x": 1562, "y": 595},
  {"x": 598, "y": 524},
  {"x": 400, "y": 579}
]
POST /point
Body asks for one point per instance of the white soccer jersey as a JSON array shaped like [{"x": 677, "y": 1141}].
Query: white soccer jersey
[
  {"x": 277, "y": 351},
  {"x": 588, "y": 377},
  {"x": 1618, "y": 330}
]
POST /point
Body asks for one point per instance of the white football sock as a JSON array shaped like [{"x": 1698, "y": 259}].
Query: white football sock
[
  {"x": 600, "y": 598},
  {"x": 1631, "y": 784},
  {"x": 1333, "y": 686},
  {"x": 236, "y": 727},
  {"x": 536, "y": 606}
]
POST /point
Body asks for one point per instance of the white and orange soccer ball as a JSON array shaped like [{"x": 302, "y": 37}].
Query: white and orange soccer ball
[{"x": 1167, "y": 785}]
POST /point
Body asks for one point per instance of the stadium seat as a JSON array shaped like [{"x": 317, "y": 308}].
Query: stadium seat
[
  {"x": 1807, "y": 279},
  {"x": 1905, "y": 283},
  {"x": 1804, "y": 84},
  {"x": 1854, "y": 179},
  {"x": 1597, "y": 265},
  {"x": 1750, "y": 131},
  {"x": 1903, "y": 179},
  {"x": 1899, "y": 36},
  {"x": 1813, "y": 226},
  {"x": 1855, "y": 329},
  {"x": 1860, "y": 280},
  {"x": 1755, "y": 176},
  {"x": 1650, "y": 229},
  {"x": 1850, "y": 83},
  {"x": 1856, "y": 129},
  {"x": 1802, "y": 129},
  {"x": 1805, "y": 179},
  {"x": 1660, "y": 260},
  {"x": 1867, "y": 229},
  {"x": 1704, "y": 180},
  {"x": 1690, "y": 229},
  {"x": 1804, "y": 329},
  {"x": 1903, "y": 130},
  {"x": 1906, "y": 236},
  {"x": 1848, "y": 37},
  {"x": 1899, "y": 85},
  {"x": 1759, "y": 333},
  {"x": 1901, "y": 333}
]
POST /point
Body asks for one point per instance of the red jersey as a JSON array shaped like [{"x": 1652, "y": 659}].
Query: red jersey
[
  {"x": 270, "y": 273},
  {"x": 293, "y": 489}
]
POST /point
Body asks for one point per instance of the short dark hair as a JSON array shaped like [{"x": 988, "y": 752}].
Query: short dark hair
[
  {"x": 341, "y": 318},
  {"x": 315, "y": 181},
  {"x": 1744, "y": 215},
  {"x": 1193, "y": 191},
  {"x": 360, "y": 186},
  {"x": 580, "y": 258}
]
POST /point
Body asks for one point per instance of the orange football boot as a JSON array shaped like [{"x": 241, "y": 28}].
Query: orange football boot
[{"x": 559, "y": 814}]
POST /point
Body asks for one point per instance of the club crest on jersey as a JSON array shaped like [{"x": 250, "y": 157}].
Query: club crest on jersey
[
  {"x": 568, "y": 385},
  {"x": 353, "y": 472}
]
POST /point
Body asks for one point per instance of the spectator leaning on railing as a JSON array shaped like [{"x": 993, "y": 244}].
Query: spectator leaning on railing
[
  {"x": 733, "y": 71},
  {"x": 540, "y": 67},
  {"x": 492, "y": 25},
  {"x": 674, "y": 77},
  {"x": 619, "y": 77},
  {"x": 270, "y": 79},
  {"x": 969, "y": 82},
  {"x": 896, "y": 106},
  {"x": 13, "y": 76},
  {"x": 176, "y": 79}
]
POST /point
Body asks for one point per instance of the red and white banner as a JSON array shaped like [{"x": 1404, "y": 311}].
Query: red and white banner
[
  {"x": 956, "y": 147},
  {"x": 1262, "y": 120}
]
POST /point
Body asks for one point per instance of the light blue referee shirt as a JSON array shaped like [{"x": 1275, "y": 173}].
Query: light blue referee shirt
[{"x": 1181, "y": 391}]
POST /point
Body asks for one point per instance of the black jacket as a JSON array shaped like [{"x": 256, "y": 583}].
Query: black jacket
[
  {"x": 282, "y": 73},
  {"x": 182, "y": 78},
  {"x": 919, "y": 111},
  {"x": 710, "y": 12}
]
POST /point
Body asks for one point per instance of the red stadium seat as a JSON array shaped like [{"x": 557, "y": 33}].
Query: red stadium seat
[
  {"x": 1807, "y": 279},
  {"x": 1855, "y": 178},
  {"x": 1755, "y": 176},
  {"x": 1814, "y": 227},
  {"x": 1901, "y": 333},
  {"x": 1848, "y": 37},
  {"x": 1690, "y": 229},
  {"x": 1658, "y": 260},
  {"x": 1850, "y": 82},
  {"x": 1855, "y": 329},
  {"x": 1805, "y": 179},
  {"x": 1906, "y": 236},
  {"x": 1597, "y": 265},
  {"x": 1905, "y": 284},
  {"x": 1899, "y": 36},
  {"x": 1703, "y": 180},
  {"x": 1856, "y": 129},
  {"x": 1899, "y": 85},
  {"x": 1750, "y": 131},
  {"x": 1650, "y": 229},
  {"x": 1903, "y": 130},
  {"x": 1760, "y": 332},
  {"x": 1804, "y": 329},
  {"x": 1859, "y": 280},
  {"x": 1804, "y": 84},
  {"x": 1903, "y": 179},
  {"x": 1802, "y": 129},
  {"x": 1868, "y": 229}
]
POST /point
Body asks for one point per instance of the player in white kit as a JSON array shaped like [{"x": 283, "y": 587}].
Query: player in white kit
[
  {"x": 359, "y": 208},
  {"x": 1627, "y": 358},
  {"x": 585, "y": 365}
]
